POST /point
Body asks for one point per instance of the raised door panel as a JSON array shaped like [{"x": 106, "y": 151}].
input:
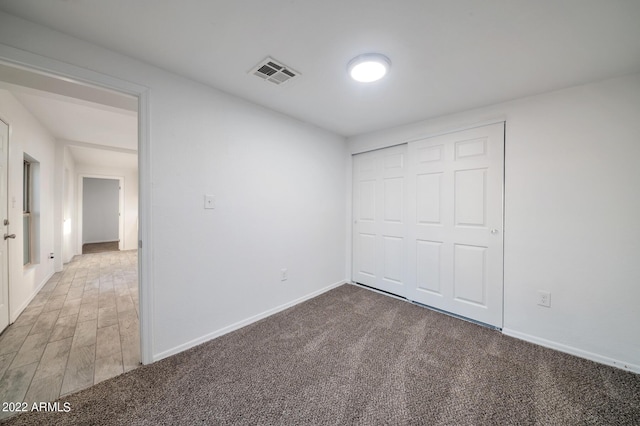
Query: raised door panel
[
  {"x": 366, "y": 256},
  {"x": 367, "y": 202},
  {"x": 466, "y": 148},
  {"x": 393, "y": 260},
  {"x": 393, "y": 161},
  {"x": 393, "y": 199},
  {"x": 470, "y": 274},
  {"x": 429, "y": 198},
  {"x": 470, "y": 197},
  {"x": 428, "y": 266}
]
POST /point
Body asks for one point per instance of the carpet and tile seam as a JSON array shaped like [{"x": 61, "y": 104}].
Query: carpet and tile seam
[{"x": 352, "y": 356}]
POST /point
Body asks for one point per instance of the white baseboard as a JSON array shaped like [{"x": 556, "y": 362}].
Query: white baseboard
[
  {"x": 24, "y": 305},
  {"x": 245, "y": 322},
  {"x": 100, "y": 242},
  {"x": 572, "y": 350}
]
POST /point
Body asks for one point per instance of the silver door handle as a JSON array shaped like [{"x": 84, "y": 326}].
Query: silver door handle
[
  {"x": 7, "y": 236},
  {"x": 494, "y": 231}
]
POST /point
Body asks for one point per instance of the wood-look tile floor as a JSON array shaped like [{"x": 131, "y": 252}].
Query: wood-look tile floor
[{"x": 80, "y": 329}]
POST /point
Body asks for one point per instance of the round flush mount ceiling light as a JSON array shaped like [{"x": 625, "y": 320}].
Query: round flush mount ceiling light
[{"x": 369, "y": 67}]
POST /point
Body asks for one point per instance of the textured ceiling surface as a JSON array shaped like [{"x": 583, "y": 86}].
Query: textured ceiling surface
[{"x": 447, "y": 56}]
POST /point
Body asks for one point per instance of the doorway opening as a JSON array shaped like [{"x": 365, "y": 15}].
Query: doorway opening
[
  {"x": 85, "y": 307},
  {"x": 100, "y": 222}
]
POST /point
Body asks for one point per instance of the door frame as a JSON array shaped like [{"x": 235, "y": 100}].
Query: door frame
[
  {"x": 7, "y": 273},
  {"x": 80, "y": 202},
  {"x": 37, "y": 63}
]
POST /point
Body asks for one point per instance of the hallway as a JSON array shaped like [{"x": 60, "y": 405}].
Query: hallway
[{"x": 81, "y": 328}]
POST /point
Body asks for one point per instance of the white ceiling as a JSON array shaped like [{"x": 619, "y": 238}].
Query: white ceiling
[
  {"x": 69, "y": 120},
  {"x": 447, "y": 55},
  {"x": 89, "y": 156},
  {"x": 100, "y": 126}
]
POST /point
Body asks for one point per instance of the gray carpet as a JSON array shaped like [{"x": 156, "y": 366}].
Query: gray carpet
[{"x": 351, "y": 356}]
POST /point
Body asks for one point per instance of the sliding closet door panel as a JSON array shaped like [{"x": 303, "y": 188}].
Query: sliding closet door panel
[
  {"x": 454, "y": 202},
  {"x": 365, "y": 216},
  {"x": 379, "y": 212}
]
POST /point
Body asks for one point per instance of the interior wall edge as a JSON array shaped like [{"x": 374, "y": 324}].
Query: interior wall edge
[
  {"x": 243, "y": 323},
  {"x": 14, "y": 314},
  {"x": 571, "y": 350}
]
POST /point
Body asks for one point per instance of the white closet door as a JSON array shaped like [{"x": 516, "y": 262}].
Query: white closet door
[
  {"x": 454, "y": 233},
  {"x": 379, "y": 225}
]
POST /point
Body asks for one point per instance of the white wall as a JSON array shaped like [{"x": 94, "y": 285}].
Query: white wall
[
  {"x": 28, "y": 136},
  {"x": 100, "y": 210},
  {"x": 572, "y": 203},
  {"x": 64, "y": 215},
  {"x": 279, "y": 186},
  {"x": 130, "y": 208},
  {"x": 69, "y": 197}
]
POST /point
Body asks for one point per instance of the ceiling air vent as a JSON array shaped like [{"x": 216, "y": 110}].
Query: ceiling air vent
[{"x": 274, "y": 72}]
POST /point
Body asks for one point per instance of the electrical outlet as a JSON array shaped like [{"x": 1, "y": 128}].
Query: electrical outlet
[
  {"x": 284, "y": 274},
  {"x": 544, "y": 298},
  {"x": 209, "y": 202}
]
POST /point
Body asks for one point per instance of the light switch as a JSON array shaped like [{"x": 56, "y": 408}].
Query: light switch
[{"x": 209, "y": 202}]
